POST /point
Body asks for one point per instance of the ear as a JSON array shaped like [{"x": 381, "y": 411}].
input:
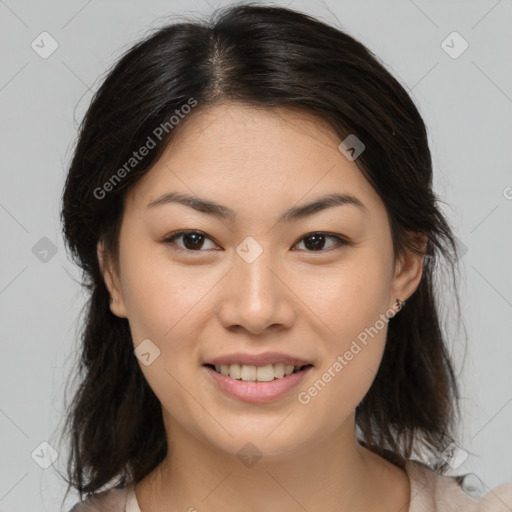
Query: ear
[
  {"x": 112, "y": 282},
  {"x": 408, "y": 270}
]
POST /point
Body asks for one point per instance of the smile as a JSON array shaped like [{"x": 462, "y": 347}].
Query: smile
[
  {"x": 254, "y": 384},
  {"x": 265, "y": 373}
]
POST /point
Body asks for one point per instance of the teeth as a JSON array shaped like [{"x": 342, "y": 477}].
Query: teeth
[
  {"x": 246, "y": 372},
  {"x": 235, "y": 371},
  {"x": 256, "y": 373}
]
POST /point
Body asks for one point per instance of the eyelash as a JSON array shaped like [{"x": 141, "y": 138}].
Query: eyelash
[{"x": 341, "y": 242}]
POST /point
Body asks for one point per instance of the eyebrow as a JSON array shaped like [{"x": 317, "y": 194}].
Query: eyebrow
[{"x": 223, "y": 212}]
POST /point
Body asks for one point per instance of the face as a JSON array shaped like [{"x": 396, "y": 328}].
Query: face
[{"x": 319, "y": 286}]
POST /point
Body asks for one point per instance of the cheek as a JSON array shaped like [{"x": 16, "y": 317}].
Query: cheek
[
  {"x": 351, "y": 302},
  {"x": 340, "y": 386},
  {"x": 162, "y": 301},
  {"x": 348, "y": 297},
  {"x": 160, "y": 296}
]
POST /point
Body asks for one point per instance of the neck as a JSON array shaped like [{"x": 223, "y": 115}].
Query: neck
[{"x": 333, "y": 474}]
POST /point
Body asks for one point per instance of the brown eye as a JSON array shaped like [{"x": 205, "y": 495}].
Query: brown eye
[
  {"x": 193, "y": 241},
  {"x": 315, "y": 242}
]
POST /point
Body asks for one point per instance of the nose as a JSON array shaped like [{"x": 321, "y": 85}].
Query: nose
[{"x": 256, "y": 296}]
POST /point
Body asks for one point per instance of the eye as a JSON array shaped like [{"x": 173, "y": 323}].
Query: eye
[
  {"x": 193, "y": 241},
  {"x": 316, "y": 241}
]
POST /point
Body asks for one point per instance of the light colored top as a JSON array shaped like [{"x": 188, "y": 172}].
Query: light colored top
[{"x": 430, "y": 492}]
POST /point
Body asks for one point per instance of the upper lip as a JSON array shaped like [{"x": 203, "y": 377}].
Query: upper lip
[{"x": 257, "y": 359}]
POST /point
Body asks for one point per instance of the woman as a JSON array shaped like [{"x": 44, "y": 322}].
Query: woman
[{"x": 251, "y": 203}]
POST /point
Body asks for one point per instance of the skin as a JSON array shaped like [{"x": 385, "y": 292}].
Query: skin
[{"x": 312, "y": 304}]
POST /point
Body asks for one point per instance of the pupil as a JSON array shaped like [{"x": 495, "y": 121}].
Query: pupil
[
  {"x": 195, "y": 245},
  {"x": 320, "y": 239}
]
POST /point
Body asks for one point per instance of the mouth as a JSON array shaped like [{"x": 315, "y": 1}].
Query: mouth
[
  {"x": 257, "y": 384},
  {"x": 264, "y": 373}
]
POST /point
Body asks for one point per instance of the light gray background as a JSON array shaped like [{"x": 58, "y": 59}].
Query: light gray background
[{"x": 466, "y": 103}]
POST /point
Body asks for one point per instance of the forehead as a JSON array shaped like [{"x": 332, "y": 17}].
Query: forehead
[
  {"x": 242, "y": 155},
  {"x": 243, "y": 131}
]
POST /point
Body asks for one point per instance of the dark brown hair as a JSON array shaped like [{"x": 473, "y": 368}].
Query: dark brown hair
[{"x": 268, "y": 57}]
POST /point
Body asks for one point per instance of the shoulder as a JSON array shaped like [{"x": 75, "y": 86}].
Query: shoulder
[
  {"x": 111, "y": 500},
  {"x": 431, "y": 492}
]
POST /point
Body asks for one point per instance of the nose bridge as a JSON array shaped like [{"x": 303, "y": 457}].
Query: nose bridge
[
  {"x": 255, "y": 281},
  {"x": 255, "y": 296}
]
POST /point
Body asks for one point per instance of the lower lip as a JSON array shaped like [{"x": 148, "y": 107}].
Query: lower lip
[{"x": 257, "y": 392}]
